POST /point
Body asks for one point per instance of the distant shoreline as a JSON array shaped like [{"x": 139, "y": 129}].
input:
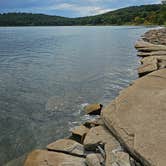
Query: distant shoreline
[{"x": 135, "y": 15}]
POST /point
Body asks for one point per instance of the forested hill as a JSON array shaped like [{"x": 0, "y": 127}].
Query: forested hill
[{"x": 135, "y": 15}]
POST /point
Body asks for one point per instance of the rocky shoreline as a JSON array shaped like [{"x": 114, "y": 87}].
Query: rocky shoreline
[{"x": 131, "y": 130}]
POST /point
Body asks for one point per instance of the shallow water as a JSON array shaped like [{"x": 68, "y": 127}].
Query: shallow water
[{"x": 48, "y": 73}]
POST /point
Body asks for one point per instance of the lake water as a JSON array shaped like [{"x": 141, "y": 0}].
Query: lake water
[{"x": 48, "y": 73}]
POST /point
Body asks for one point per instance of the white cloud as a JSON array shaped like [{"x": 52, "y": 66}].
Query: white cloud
[{"x": 82, "y": 10}]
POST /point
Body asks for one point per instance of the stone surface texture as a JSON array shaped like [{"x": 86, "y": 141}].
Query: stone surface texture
[
  {"x": 93, "y": 159},
  {"x": 137, "y": 118},
  {"x": 99, "y": 135},
  {"x": 67, "y": 146},
  {"x": 46, "y": 158}
]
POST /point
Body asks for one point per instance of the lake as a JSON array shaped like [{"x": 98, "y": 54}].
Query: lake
[{"x": 47, "y": 74}]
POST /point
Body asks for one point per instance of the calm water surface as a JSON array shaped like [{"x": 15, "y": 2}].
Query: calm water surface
[{"x": 48, "y": 73}]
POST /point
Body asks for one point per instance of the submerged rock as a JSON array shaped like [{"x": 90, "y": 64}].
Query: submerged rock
[
  {"x": 46, "y": 158},
  {"x": 137, "y": 118},
  {"x": 67, "y": 146},
  {"x": 93, "y": 109}
]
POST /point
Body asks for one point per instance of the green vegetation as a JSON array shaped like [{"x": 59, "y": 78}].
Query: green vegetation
[{"x": 135, "y": 15}]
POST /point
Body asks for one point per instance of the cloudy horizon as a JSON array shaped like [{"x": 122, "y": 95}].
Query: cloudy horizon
[{"x": 72, "y": 8}]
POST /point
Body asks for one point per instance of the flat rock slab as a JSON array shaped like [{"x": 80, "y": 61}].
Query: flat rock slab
[
  {"x": 148, "y": 47},
  {"x": 151, "y": 59},
  {"x": 47, "y": 158},
  {"x": 137, "y": 118},
  {"x": 67, "y": 146},
  {"x": 153, "y": 53}
]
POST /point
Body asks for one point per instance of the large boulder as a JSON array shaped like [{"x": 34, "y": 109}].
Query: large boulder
[
  {"x": 137, "y": 118},
  {"x": 45, "y": 158},
  {"x": 67, "y": 146}
]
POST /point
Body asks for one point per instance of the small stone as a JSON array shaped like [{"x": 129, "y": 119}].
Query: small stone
[
  {"x": 67, "y": 146},
  {"x": 93, "y": 109},
  {"x": 94, "y": 159}
]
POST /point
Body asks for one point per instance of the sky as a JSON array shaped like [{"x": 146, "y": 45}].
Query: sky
[{"x": 68, "y": 8}]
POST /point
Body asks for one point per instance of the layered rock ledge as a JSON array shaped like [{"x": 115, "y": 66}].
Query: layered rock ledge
[
  {"x": 152, "y": 49},
  {"x": 131, "y": 130}
]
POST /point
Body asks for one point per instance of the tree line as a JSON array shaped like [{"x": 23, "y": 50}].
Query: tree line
[{"x": 135, "y": 15}]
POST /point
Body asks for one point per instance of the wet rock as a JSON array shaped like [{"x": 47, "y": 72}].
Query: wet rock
[
  {"x": 99, "y": 135},
  {"x": 137, "y": 119},
  {"x": 45, "y": 158},
  {"x": 94, "y": 159},
  {"x": 67, "y": 146},
  {"x": 93, "y": 109},
  {"x": 79, "y": 133}
]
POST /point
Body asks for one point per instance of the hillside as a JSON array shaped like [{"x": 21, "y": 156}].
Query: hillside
[{"x": 135, "y": 15}]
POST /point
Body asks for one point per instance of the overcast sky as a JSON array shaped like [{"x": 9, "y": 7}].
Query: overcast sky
[{"x": 68, "y": 8}]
